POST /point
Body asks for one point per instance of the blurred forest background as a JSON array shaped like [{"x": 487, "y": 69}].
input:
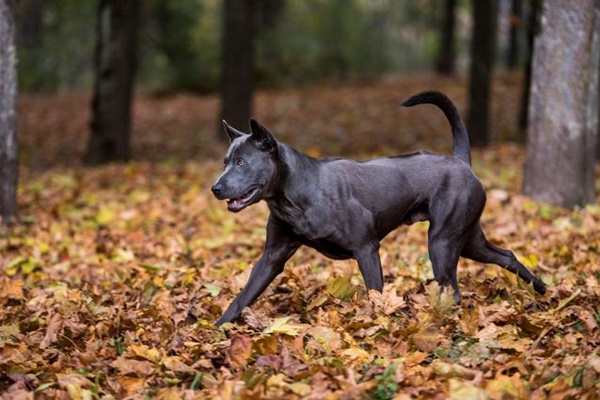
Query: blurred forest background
[
  {"x": 180, "y": 66},
  {"x": 297, "y": 41}
]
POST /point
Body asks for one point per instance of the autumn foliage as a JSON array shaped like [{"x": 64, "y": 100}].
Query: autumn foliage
[{"x": 112, "y": 283}]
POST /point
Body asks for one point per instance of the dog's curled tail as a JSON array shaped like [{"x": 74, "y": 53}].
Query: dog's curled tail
[{"x": 460, "y": 138}]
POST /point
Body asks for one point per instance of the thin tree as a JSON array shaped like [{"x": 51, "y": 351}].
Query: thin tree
[
  {"x": 532, "y": 28},
  {"x": 116, "y": 29},
  {"x": 445, "y": 63},
  {"x": 513, "y": 51},
  {"x": 563, "y": 122},
  {"x": 9, "y": 167},
  {"x": 238, "y": 63},
  {"x": 483, "y": 48}
]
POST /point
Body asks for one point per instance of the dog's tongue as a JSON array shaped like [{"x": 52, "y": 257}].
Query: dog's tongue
[{"x": 235, "y": 205}]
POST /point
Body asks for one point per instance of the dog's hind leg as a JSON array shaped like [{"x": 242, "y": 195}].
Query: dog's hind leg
[
  {"x": 369, "y": 264},
  {"x": 444, "y": 252},
  {"x": 478, "y": 248}
]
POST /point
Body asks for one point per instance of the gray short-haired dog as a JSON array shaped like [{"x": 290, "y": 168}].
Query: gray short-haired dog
[{"x": 344, "y": 208}]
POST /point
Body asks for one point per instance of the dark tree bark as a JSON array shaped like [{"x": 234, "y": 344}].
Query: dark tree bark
[
  {"x": 563, "y": 122},
  {"x": 113, "y": 90},
  {"x": 445, "y": 63},
  {"x": 9, "y": 166},
  {"x": 532, "y": 29},
  {"x": 238, "y": 63},
  {"x": 270, "y": 11},
  {"x": 516, "y": 24},
  {"x": 483, "y": 48},
  {"x": 28, "y": 15}
]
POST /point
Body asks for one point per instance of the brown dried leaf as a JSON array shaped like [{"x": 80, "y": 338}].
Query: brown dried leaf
[
  {"x": 54, "y": 327},
  {"x": 127, "y": 366},
  {"x": 240, "y": 351}
]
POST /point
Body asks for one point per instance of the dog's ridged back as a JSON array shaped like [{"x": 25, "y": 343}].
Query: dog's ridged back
[{"x": 460, "y": 137}]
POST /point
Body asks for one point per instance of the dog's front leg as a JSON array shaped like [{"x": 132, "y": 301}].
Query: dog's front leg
[
  {"x": 369, "y": 264},
  {"x": 279, "y": 247}
]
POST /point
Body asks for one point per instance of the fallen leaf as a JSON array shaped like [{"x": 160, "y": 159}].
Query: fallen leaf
[
  {"x": 281, "y": 325},
  {"x": 54, "y": 327},
  {"x": 340, "y": 287},
  {"x": 143, "y": 351},
  {"x": 240, "y": 350},
  {"x": 427, "y": 341},
  {"x": 462, "y": 390},
  {"x": 388, "y": 301},
  {"x": 503, "y": 386},
  {"x": 447, "y": 370},
  {"x": 355, "y": 356},
  {"x": 127, "y": 366}
]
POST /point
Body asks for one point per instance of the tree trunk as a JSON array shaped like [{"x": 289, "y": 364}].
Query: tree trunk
[
  {"x": 532, "y": 30},
  {"x": 516, "y": 24},
  {"x": 446, "y": 55},
  {"x": 114, "y": 69},
  {"x": 483, "y": 48},
  {"x": 270, "y": 12},
  {"x": 238, "y": 63},
  {"x": 9, "y": 166},
  {"x": 563, "y": 121}
]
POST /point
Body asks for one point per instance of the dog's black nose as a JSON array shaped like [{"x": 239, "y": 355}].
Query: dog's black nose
[{"x": 217, "y": 189}]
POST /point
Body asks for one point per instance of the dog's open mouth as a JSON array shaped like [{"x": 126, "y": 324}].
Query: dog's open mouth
[{"x": 243, "y": 201}]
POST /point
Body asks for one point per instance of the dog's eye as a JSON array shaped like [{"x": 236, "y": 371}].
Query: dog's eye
[{"x": 240, "y": 163}]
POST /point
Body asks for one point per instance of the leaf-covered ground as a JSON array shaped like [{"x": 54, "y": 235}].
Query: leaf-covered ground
[{"x": 112, "y": 284}]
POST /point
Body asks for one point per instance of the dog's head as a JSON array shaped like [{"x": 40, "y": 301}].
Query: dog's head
[{"x": 250, "y": 167}]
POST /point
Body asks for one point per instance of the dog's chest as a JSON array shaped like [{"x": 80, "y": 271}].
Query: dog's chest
[
  {"x": 313, "y": 228},
  {"x": 309, "y": 223},
  {"x": 299, "y": 220}
]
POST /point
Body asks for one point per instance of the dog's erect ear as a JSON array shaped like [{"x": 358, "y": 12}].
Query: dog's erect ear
[
  {"x": 231, "y": 132},
  {"x": 263, "y": 139}
]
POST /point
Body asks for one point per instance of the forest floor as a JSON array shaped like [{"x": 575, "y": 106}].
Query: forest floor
[{"x": 111, "y": 284}]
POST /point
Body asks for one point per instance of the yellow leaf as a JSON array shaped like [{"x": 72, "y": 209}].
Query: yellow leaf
[
  {"x": 143, "y": 351},
  {"x": 563, "y": 303},
  {"x": 267, "y": 345},
  {"x": 447, "y": 370},
  {"x": 130, "y": 385},
  {"x": 105, "y": 215},
  {"x": 124, "y": 255},
  {"x": 168, "y": 394},
  {"x": 520, "y": 345},
  {"x": 277, "y": 380},
  {"x": 341, "y": 287},
  {"x": 317, "y": 302},
  {"x": 11, "y": 288},
  {"x": 530, "y": 261},
  {"x": 210, "y": 288},
  {"x": 355, "y": 356},
  {"x": 507, "y": 387},
  {"x": 300, "y": 388},
  {"x": 280, "y": 325},
  {"x": 463, "y": 390}
]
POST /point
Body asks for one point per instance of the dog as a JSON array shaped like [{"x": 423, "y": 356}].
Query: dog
[{"x": 344, "y": 208}]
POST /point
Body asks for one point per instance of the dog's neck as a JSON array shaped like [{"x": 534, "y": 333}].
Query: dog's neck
[{"x": 296, "y": 172}]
